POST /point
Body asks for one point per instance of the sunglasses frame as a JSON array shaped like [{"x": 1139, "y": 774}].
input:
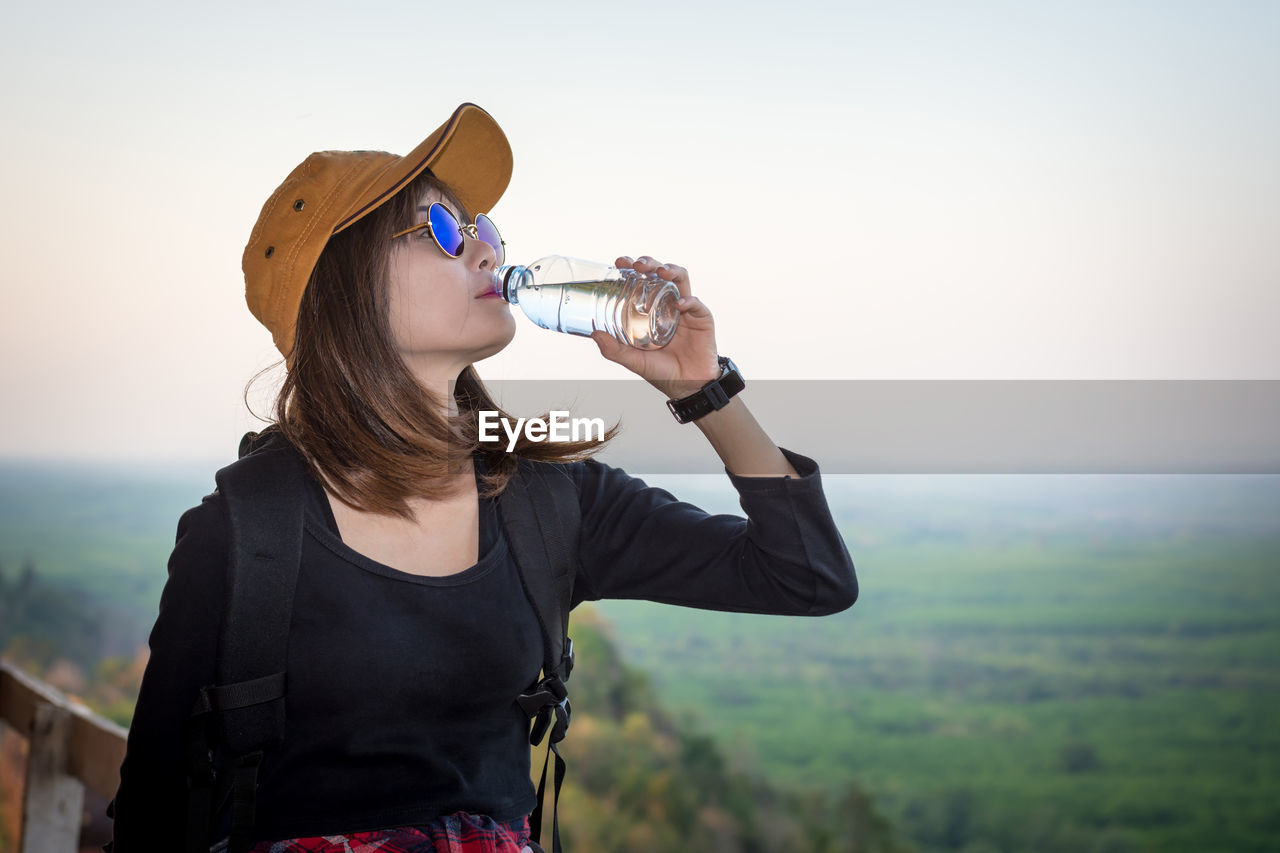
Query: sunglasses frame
[{"x": 465, "y": 230}]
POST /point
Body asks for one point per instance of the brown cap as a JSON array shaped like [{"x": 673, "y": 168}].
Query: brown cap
[{"x": 330, "y": 190}]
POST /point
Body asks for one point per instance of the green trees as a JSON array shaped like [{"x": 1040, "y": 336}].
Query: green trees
[
  {"x": 41, "y": 622},
  {"x": 639, "y": 781}
]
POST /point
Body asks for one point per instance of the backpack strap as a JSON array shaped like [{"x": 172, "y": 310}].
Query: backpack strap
[
  {"x": 542, "y": 519},
  {"x": 263, "y": 493}
]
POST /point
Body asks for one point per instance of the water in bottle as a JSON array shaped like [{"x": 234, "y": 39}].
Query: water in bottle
[{"x": 580, "y": 297}]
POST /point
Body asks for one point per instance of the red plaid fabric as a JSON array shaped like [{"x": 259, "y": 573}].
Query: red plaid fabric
[{"x": 458, "y": 833}]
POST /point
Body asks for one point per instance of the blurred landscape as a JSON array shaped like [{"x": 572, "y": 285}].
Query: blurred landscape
[{"x": 1047, "y": 663}]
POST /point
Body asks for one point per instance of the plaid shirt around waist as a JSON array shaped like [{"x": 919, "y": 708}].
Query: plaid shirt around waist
[{"x": 456, "y": 833}]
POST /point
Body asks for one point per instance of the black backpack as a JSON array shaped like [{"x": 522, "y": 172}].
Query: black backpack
[{"x": 237, "y": 720}]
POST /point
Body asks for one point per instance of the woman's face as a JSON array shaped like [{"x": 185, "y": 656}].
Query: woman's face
[{"x": 444, "y": 314}]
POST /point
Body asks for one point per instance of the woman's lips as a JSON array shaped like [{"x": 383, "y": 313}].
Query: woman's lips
[{"x": 494, "y": 289}]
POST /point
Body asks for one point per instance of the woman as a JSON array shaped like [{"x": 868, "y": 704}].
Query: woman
[{"x": 411, "y": 633}]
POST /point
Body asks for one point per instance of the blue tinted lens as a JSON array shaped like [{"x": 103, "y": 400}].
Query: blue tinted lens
[
  {"x": 488, "y": 232},
  {"x": 445, "y": 229}
]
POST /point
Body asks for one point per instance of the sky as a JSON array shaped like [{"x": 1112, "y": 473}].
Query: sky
[{"x": 915, "y": 190}]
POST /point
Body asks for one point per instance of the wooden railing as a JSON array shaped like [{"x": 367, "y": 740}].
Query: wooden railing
[{"x": 69, "y": 748}]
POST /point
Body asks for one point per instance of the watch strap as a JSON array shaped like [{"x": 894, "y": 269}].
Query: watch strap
[{"x": 713, "y": 396}]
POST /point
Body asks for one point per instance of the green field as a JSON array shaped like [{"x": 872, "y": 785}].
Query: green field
[
  {"x": 1093, "y": 667},
  {"x": 105, "y": 528}
]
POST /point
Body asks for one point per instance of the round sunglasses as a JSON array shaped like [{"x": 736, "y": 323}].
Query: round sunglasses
[{"x": 448, "y": 232}]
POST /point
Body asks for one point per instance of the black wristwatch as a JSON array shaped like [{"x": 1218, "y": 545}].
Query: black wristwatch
[{"x": 711, "y": 397}]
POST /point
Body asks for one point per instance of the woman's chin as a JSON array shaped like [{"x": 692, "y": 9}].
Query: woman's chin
[{"x": 499, "y": 343}]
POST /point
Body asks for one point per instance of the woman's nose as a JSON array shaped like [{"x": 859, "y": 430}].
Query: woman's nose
[{"x": 478, "y": 252}]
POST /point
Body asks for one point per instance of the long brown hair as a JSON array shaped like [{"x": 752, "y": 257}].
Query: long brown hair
[{"x": 365, "y": 425}]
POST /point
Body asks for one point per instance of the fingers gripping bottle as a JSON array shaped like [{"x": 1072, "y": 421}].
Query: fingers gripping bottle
[{"x": 580, "y": 297}]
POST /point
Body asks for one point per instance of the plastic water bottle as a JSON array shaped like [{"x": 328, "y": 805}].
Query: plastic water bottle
[{"x": 581, "y": 297}]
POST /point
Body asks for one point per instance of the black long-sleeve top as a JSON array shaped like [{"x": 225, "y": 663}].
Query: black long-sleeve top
[{"x": 401, "y": 704}]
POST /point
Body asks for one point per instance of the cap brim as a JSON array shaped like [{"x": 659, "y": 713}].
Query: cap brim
[{"x": 469, "y": 152}]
